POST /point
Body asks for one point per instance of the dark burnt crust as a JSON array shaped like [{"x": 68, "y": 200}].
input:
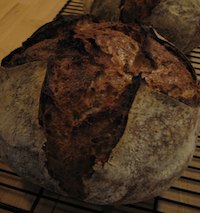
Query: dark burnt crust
[{"x": 52, "y": 30}]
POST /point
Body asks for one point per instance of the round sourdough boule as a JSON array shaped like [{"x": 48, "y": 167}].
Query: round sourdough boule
[{"x": 109, "y": 117}]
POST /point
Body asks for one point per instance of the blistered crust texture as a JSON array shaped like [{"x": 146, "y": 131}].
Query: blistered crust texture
[{"x": 157, "y": 144}]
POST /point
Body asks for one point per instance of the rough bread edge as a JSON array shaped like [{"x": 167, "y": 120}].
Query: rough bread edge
[{"x": 21, "y": 137}]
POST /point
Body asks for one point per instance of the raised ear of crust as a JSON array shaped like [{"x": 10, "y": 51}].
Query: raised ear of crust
[
  {"x": 170, "y": 72},
  {"x": 156, "y": 146},
  {"x": 21, "y": 137}
]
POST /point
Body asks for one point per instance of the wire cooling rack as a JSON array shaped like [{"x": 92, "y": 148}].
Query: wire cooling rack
[{"x": 19, "y": 196}]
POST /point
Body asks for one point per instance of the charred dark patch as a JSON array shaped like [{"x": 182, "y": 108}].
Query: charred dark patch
[
  {"x": 45, "y": 99},
  {"x": 71, "y": 42},
  {"x": 77, "y": 60},
  {"x": 52, "y": 29},
  {"x": 94, "y": 44},
  {"x": 19, "y": 61},
  {"x": 130, "y": 93},
  {"x": 6, "y": 61},
  {"x": 58, "y": 28}
]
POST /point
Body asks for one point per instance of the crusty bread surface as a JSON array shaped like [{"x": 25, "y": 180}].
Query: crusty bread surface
[{"x": 109, "y": 114}]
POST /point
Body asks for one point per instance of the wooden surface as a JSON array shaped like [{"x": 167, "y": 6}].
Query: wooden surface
[{"x": 18, "y": 20}]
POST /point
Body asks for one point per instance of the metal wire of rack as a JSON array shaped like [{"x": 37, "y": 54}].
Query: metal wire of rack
[{"x": 40, "y": 200}]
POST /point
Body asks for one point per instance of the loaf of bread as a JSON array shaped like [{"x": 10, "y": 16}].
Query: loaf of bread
[
  {"x": 103, "y": 112},
  {"x": 177, "y": 21}
]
